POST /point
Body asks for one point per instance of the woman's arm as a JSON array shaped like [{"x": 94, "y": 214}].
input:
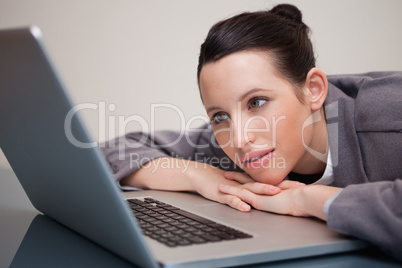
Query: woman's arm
[
  {"x": 127, "y": 154},
  {"x": 305, "y": 201},
  {"x": 370, "y": 211},
  {"x": 184, "y": 175}
]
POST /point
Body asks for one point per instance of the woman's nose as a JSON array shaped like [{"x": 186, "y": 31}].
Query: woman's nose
[{"x": 242, "y": 136}]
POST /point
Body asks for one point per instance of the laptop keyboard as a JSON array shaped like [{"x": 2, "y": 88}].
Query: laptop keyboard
[{"x": 176, "y": 227}]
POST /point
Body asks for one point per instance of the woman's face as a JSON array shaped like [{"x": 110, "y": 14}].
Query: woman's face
[{"x": 256, "y": 117}]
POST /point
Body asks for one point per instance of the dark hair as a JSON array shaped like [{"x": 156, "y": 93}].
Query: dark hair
[{"x": 279, "y": 31}]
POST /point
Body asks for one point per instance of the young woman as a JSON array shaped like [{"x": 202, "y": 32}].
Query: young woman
[{"x": 283, "y": 138}]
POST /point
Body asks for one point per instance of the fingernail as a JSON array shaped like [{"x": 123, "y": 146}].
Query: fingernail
[
  {"x": 272, "y": 188},
  {"x": 245, "y": 207},
  {"x": 300, "y": 184}
]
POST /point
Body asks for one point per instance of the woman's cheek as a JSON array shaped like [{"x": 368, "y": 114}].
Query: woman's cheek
[{"x": 223, "y": 137}]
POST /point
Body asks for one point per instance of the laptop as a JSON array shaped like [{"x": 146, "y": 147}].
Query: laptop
[{"x": 74, "y": 185}]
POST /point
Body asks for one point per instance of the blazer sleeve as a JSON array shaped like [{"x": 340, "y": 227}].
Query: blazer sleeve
[
  {"x": 369, "y": 139},
  {"x": 130, "y": 152},
  {"x": 372, "y": 212}
]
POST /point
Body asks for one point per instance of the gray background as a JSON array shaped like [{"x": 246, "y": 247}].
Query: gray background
[{"x": 131, "y": 54}]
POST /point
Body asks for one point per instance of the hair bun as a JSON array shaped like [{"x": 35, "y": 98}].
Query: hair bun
[{"x": 288, "y": 11}]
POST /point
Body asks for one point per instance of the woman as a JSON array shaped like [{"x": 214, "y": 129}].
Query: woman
[{"x": 297, "y": 144}]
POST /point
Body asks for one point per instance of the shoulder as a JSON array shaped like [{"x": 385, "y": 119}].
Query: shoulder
[
  {"x": 376, "y": 99},
  {"x": 353, "y": 82}
]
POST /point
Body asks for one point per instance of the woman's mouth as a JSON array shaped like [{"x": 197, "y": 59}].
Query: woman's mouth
[{"x": 256, "y": 160}]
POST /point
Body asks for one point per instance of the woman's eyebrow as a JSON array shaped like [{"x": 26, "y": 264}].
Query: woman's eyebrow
[
  {"x": 254, "y": 90},
  {"x": 210, "y": 109},
  {"x": 242, "y": 97}
]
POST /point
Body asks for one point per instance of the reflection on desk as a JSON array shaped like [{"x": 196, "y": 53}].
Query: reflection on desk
[{"x": 49, "y": 244}]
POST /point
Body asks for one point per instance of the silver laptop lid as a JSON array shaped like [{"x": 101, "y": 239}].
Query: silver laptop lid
[{"x": 72, "y": 185}]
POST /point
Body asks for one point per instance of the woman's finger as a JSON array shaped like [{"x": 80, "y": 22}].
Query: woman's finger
[
  {"x": 238, "y": 176},
  {"x": 243, "y": 194},
  {"x": 287, "y": 184},
  {"x": 236, "y": 203},
  {"x": 261, "y": 188}
]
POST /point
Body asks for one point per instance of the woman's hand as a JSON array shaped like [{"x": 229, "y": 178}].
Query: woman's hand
[
  {"x": 207, "y": 178},
  {"x": 299, "y": 201},
  {"x": 244, "y": 178},
  {"x": 186, "y": 175},
  {"x": 207, "y": 186}
]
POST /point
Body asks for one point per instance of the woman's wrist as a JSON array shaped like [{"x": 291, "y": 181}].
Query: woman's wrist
[
  {"x": 197, "y": 174},
  {"x": 192, "y": 175},
  {"x": 313, "y": 199}
]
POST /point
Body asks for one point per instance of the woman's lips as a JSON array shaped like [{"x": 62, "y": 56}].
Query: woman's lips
[{"x": 256, "y": 160}]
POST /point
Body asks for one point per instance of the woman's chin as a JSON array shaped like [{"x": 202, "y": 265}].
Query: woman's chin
[{"x": 271, "y": 177}]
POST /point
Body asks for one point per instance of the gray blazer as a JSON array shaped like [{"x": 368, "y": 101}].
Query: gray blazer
[
  {"x": 364, "y": 121},
  {"x": 369, "y": 158}
]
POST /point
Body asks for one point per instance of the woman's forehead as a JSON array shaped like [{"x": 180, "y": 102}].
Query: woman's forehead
[{"x": 237, "y": 73}]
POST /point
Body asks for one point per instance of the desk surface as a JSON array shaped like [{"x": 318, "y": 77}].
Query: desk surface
[{"x": 29, "y": 239}]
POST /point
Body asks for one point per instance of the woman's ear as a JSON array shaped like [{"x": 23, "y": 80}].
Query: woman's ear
[{"x": 317, "y": 88}]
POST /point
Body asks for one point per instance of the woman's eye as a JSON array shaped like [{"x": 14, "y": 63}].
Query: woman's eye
[
  {"x": 255, "y": 103},
  {"x": 219, "y": 117}
]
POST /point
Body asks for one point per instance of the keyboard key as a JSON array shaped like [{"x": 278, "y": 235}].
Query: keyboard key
[
  {"x": 193, "y": 216},
  {"x": 197, "y": 240}
]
